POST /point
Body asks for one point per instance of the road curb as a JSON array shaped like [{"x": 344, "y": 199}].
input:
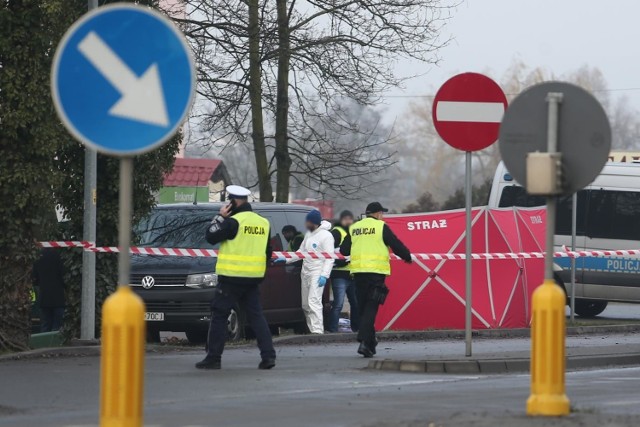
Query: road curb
[
  {"x": 85, "y": 351},
  {"x": 499, "y": 366},
  {"x": 441, "y": 334},
  {"x": 44, "y": 353},
  {"x": 339, "y": 338}
]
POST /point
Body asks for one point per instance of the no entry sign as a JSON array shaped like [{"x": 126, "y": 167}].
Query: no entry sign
[{"x": 467, "y": 111}]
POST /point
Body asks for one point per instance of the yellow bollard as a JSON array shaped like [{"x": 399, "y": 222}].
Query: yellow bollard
[
  {"x": 548, "y": 352},
  {"x": 122, "y": 365}
]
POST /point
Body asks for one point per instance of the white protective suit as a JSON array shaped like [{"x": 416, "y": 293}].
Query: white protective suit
[{"x": 319, "y": 240}]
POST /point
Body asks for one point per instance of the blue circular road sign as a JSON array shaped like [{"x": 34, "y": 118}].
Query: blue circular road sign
[{"x": 123, "y": 79}]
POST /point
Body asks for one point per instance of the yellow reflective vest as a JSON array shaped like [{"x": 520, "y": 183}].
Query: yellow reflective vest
[
  {"x": 245, "y": 255},
  {"x": 343, "y": 234},
  {"x": 369, "y": 254}
]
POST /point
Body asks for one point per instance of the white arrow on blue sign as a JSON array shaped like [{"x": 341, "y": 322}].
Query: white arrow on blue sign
[{"x": 123, "y": 79}]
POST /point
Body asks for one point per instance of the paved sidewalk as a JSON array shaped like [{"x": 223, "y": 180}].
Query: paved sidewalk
[
  {"x": 512, "y": 355},
  {"x": 444, "y": 334},
  {"x": 487, "y": 419}
]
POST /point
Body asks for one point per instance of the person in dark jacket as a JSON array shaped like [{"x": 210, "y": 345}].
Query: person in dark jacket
[
  {"x": 48, "y": 277},
  {"x": 293, "y": 236},
  {"x": 368, "y": 245},
  {"x": 342, "y": 283},
  {"x": 244, "y": 253}
]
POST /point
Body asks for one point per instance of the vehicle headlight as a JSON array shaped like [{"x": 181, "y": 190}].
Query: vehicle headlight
[{"x": 204, "y": 280}]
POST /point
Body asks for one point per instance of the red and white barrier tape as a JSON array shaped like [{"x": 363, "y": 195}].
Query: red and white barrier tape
[
  {"x": 89, "y": 246},
  {"x": 66, "y": 244}
]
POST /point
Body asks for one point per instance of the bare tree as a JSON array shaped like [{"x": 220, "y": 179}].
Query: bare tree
[
  {"x": 227, "y": 38},
  {"x": 306, "y": 56},
  {"x": 342, "y": 156}
]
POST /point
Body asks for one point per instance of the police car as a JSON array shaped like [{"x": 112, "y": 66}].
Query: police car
[{"x": 608, "y": 217}]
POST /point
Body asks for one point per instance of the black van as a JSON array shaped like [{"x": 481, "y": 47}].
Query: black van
[{"x": 177, "y": 291}]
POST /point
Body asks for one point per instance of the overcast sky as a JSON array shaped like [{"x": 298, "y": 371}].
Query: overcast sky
[{"x": 559, "y": 35}]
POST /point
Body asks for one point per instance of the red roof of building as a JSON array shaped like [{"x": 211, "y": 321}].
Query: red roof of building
[{"x": 191, "y": 172}]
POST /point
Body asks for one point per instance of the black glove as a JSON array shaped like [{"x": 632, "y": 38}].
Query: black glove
[{"x": 340, "y": 263}]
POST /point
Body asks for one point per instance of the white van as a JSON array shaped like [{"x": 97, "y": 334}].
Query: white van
[{"x": 608, "y": 217}]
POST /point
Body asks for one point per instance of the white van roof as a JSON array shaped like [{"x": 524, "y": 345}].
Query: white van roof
[
  {"x": 618, "y": 175},
  {"x": 613, "y": 175}
]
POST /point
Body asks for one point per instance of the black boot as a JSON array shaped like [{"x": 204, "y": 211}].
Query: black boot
[
  {"x": 373, "y": 346},
  {"x": 209, "y": 363},
  {"x": 267, "y": 364},
  {"x": 365, "y": 351}
]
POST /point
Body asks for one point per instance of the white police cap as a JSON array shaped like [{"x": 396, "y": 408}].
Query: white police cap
[{"x": 238, "y": 191}]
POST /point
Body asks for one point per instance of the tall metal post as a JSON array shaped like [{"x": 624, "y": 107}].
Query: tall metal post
[
  {"x": 123, "y": 329},
  {"x": 574, "y": 230},
  {"x": 88, "y": 296},
  {"x": 554, "y": 100},
  {"x": 548, "y": 396},
  {"x": 124, "y": 225},
  {"x": 468, "y": 280}
]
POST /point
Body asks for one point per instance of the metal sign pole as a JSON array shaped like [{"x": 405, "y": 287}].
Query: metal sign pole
[
  {"x": 88, "y": 295},
  {"x": 124, "y": 223},
  {"x": 574, "y": 228},
  {"x": 468, "y": 279},
  {"x": 548, "y": 325},
  {"x": 553, "y": 100},
  {"x": 123, "y": 329}
]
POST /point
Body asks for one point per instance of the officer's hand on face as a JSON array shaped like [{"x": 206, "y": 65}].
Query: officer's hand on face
[
  {"x": 322, "y": 281},
  {"x": 225, "y": 211}
]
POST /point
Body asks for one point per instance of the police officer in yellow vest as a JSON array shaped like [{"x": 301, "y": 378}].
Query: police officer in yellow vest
[
  {"x": 368, "y": 245},
  {"x": 242, "y": 262}
]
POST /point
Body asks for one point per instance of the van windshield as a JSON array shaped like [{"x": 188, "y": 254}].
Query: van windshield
[
  {"x": 174, "y": 228},
  {"x": 517, "y": 196}
]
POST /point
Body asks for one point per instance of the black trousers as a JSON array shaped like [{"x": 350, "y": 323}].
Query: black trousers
[
  {"x": 51, "y": 318},
  {"x": 247, "y": 298},
  {"x": 365, "y": 285}
]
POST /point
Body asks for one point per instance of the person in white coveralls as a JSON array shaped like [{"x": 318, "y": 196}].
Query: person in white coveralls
[{"x": 315, "y": 272}]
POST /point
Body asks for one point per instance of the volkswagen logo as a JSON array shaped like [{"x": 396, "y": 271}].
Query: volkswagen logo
[{"x": 148, "y": 282}]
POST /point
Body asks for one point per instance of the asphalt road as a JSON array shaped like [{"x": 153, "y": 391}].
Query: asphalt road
[
  {"x": 620, "y": 311},
  {"x": 322, "y": 385}
]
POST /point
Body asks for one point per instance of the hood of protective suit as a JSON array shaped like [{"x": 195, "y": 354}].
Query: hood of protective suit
[
  {"x": 324, "y": 225},
  {"x": 318, "y": 240}
]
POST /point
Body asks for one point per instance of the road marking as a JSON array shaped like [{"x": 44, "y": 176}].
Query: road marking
[
  {"x": 142, "y": 97},
  {"x": 333, "y": 387},
  {"x": 479, "y": 112}
]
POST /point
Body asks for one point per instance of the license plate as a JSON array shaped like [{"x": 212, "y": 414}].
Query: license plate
[{"x": 153, "y": 317}]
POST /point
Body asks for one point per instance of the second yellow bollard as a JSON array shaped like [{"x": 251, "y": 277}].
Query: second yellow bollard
[
  {"x": 122, "y": 364},
  {"x": 548, "y": 352}
]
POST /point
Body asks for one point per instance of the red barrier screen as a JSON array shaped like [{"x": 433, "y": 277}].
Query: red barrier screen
[{"x": 430, "y": 294}]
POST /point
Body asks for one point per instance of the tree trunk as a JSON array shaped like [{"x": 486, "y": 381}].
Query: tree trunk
[
  {"x": 283, "y": 160},
  {"x": 255, "y": 94}
]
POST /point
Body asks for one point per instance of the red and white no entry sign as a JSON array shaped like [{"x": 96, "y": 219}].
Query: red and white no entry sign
[{"x": 467, "y": 111}]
